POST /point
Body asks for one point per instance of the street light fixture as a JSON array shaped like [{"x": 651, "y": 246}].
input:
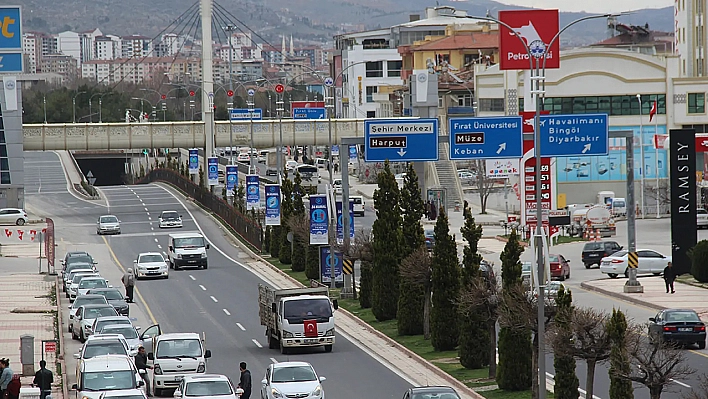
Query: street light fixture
[
  {"x": 73, "y": 103},
  {"x": 642, "y": 168},
  {"x": 44, "y": 101},
  {"x": 90, "y": 106},
  {"x": 100, "y": 106}
]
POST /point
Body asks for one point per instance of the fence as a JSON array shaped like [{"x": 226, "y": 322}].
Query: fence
[{"x": 245, "y": 227}]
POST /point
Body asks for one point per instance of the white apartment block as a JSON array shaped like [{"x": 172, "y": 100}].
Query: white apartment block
[
  {"x": 135, "y": 46},
  {"x": 137, "y": 70},
  {"x": 691, "y": 37},
  {"x": 70, "y": 43},
  {"x": 107, "y": 47},
  {"x": 32, "y": 49}
]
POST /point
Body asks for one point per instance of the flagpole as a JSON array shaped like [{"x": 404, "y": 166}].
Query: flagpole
[
  {"x": 642, "y": 168},
  {"x": 656, "y": 158}
]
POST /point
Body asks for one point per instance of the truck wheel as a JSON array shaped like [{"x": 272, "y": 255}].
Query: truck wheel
[
  {"x": 272, "y": 342},
  {"x": 328, "y": 348},
  {"x": 283, "y": 350}
]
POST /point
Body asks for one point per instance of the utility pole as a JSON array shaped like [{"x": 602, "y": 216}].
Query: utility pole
[
  {"x": 207, "y": 82},
  {"x": 230, "y": 105},
  {"x": 329, "y": 104}
]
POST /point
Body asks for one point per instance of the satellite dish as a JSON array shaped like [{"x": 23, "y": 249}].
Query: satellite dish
[{"x": 290, "y": 236}]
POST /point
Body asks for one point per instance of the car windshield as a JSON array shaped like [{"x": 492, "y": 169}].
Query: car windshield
[
  {"x": 82, "y": 300},
  {"x": 102, "y": 323},
  {"x": 151, "y": 259},
  {"x": 681, "y": 316},
  {"x": 77, "y": 278},
  {"x": 175, "y": 348},
  {"x": 208, "y": 388},
  {"x": 429, "y": 233},
  {"x": 108, "y": 380},
  {"x": 553, "y": 258},
  {"x": 104, "y": 348},
  {"x": 128, "y": 332},
  {"x": 93, "y": 283},
  {"x": 306, "y": 309},
  {"x": 109, "y": 219},
  {"x": 435, "y": 395},
  {"x": 701, "y": 211},
  {"x": 79, "y": 259},
  {"x": 189, "y": 242},
  {"x": 294, "y": 374},
  {"x": 124, "y": 397},
  {"x": 76, "y": 268},
  {"x": 94, "y": 313},
  {"x": 593, "y": 246},
  {"x": 111, "y": 295},
  {"x": 170, "y": 215}
]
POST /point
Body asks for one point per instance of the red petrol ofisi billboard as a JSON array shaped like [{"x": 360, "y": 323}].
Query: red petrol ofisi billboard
[{"x": 536, "y": 28}]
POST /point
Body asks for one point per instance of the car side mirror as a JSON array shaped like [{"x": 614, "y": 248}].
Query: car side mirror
[
  {"x": 170, "y": 248},
  {"x": 264, "y": 382},
  {"x": 77, "y": 356},
  {"x": 151, "y": 356},
  {"x": 322, "y": 379},
  {"x": 137, "y": 328},
  {"x": 567, "y": 260},
  {"x": 273, "y": 308},
  {"x": 207, "y": 246},
  {"x": 177, "y": 394},
  {"x": 135, "y": 261},
  {"x": 652, "y": 319},
  {"x": 141, "y": 383},
  {"x": 75, "y": 387},
  {"x": 95, "y": 262},
  {"x": 207, "y": 354},
  {"x": 335, "y": 303}
]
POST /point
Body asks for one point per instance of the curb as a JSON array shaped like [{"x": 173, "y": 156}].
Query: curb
[
  {"x": 458, "y": 384},
  {"x": 625, "y": 298},
  {"x": 62, "y": 354}
]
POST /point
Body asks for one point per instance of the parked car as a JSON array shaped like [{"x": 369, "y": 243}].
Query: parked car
[
  {"x": 108, "y": 224},
  {"x": 114, "y": 297},
  {"x": 681, "y": 326},
  {"x": 431, "y": 392},
  {"x": 429, "y": 239},
  {"x": 127, "y": 331},
  {"x": 560, "y": 267},
  {"x": 107, "y": 375},
  {"x": 85, "y": 317},
  {"x": 701, "y": 218},
  {"x": 109, "y": 319},
  {"x": 84, "y": 300},
  {"x": 290, "y": 380},
  {"x": 650, "y": 261},
  {"x": 15, "y": 216},
  {"x": 73, "y": 289},
  {"x": 594, "y": 251},
  {"x": 88, "y": 283},
  {"x": 206, "y": 386}
]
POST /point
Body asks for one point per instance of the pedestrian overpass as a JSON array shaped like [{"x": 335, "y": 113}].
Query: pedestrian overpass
[{"x": 122, "y": 136}]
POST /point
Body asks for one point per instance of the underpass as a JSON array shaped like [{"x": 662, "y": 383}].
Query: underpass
[{"x": 104, "y": 168}]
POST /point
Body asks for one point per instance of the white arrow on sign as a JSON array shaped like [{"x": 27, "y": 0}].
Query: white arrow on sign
[
  {"x": 1, "y": 62},
  {"x": 401, "y": 152},
  {"x": 502, "y": 147},
  {"x": 92, "y": 180},
  {"x": 586, "y": 148}
]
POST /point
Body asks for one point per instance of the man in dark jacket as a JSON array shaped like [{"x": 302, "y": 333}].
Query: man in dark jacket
[
  {"x": 142, "y": 366},
  {"x": 245, "y": 382},
  {"x": 43, "y": 379},
  {"x": 669, "y": 277}
]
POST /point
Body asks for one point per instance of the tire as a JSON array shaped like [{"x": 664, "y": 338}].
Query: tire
[
  {"x": 588, "y": 265},
  {"x": 561, "y": 278},
  {"x": 702, "y": 345},
  {"x": 272, "y": 342},
  {"x": 158, "y": 391},
  {"x": 82, "y": 338},
  {"x": 73, "y": 336},
  {"x": 612, "y": 275},
  {"x": 20, "y": 222},
  {"x": 283, "y": 350},
  {"x": 657, "y": 274},
  {"x": 172, "y": 265},
  {"x": 626, "y": 273},
  {"x": 568, "y": 276},
  {"x": 328, "y": 348},
  {"x": 166, "y": 277},
  {"x": 205, "y": 266}
]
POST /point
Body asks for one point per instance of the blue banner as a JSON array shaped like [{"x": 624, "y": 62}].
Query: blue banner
[
  {"x": 213, "y": 171},
  {"x": 335, "y": 150},
  {"x": 326, "y": 266},
  {"x": 231, "y": 179},
  {"x": 253, "y": 192},
  {"x": 272, "y": 198},
  {"x": 319, "y": 220},
  {"x": 340, "y": 221},
  {"x": 193, "y": 161},
  {"x": 353, "y": 155}
]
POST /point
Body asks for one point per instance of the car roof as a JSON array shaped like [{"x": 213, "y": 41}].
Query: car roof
[
  {"x": 432, "y": 389},
  {"x": 169, "y": 211},
  {"x": 104, "y": 337},
  {"x": 104, "y": 318},
  {"x": 165, "y": 337},
  {"x": 117, "y": 326},
  {"x": 96, "y": 306},
  {"x": 107, "y": 363},
  {"x": 75, "y": 253},
  {"x": 93, "y": 278},
  {"x": 90, "y": 296},
  {"x": 679, "y": 310},
  {"x": 149, "y": 253},
  {"x": 205, "y": 377},
  {"x": 102, "y": 289},
  {"x": 103, "y": 216},
  {"x": 281, "y": 365},
  {"x": 186, "y": 235}
]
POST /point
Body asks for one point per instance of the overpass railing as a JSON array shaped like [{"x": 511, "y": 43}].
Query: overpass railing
[{"x": 244, "y": 226}]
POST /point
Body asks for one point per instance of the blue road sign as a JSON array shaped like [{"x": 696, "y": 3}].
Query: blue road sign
[
  {"x": 213, "y": 170},
  {"x": 486, "y": 137},
  {"x": 353, "y": 155},
  {"x": 251, "y": 92},
  {"x": 574, "y": 135},
  {"x": 231, "y": 179},
  {"x": 193, "y": 161},
  {"x": 329, "y": 82},
  {"x": 319, "y": 220},
  {"x": 401, "y": 140},
  {"x": 10, "y": 28},
  {"x": 335, "y": 150},
  {"x": 253, "y": 192},
  {"x": 240, "y": 114},
  {"x": 309, "y": 113},
  {"x": 10, "y": 62},
  {"x": 340, "y": 221},
  {"x": 326, "y": 265}
]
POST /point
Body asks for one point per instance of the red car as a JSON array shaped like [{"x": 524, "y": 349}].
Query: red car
[{"x": 560, "y": 267}]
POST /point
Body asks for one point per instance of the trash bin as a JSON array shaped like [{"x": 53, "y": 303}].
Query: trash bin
[
  {"x": 27, "y": 354},
  {"x": 29, "y": 393}
]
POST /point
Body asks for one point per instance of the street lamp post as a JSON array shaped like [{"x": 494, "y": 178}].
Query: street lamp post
[
  {"x": 73, "y": 103},
  {"x": 91, "y": 106},
  {"x": 642, "y": 168},
  {"x": 100, "y": 106},
  {"x": 251, "y": 110},
  {"x": 44, "y": 101}
]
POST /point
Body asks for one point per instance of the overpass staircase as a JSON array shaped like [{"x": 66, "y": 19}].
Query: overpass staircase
[{"x": 443, "y": 174}]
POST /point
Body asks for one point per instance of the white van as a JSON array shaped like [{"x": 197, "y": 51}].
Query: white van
[
  {"x": 619, "y": 207},
  {"x": 107, "y": 373},
  {"x": 174, "y": 356},
  {"x": 187, "y": 249},
  {"x": 359, "y": 204}
]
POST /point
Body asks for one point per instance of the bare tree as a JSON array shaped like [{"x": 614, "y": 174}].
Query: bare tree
[
  {"x": 589, "y": 341},
  {"x": 701, "y": 392},
  {"x": 657, "y": 364},
  {"x": 483, "y": 296},
  {"x": 300, "y": 227},
  {"x": 518, "y": 310},
  {"x": 416, "y": 269},
  {"x": 484, "y": 183},
  {"x": 663, "y": 192}
]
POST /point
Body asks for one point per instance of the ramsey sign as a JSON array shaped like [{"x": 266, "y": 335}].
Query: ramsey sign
[{"x": 536, "y": 28}]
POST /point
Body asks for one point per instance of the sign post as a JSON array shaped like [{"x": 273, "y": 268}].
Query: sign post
[
  {"x": 193, "y": 161},
  {"x": 309, "y": 113},
  {"x": 401, "y": 141},
  {"x": 231, "y": 179}
]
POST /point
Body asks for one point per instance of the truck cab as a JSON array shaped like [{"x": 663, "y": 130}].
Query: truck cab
[{"x": 175, "y": 356}]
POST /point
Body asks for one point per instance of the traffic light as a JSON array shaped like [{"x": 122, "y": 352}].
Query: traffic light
[{"x": 167, "y": 151}]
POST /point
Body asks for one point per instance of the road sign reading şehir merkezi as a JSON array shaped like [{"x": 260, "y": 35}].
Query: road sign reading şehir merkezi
[
  {"x": 574, "y": 135},
  {"x": 486, "y": 137},
  {"x": 401, "y": 140}
]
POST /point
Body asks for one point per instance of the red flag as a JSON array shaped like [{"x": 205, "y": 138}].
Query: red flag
[
  {"x": 652, "y": 111},
  {"x": 310, "y": 328}
]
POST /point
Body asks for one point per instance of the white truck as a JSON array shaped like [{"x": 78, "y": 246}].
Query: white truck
[{"x": 297, "y": 317}]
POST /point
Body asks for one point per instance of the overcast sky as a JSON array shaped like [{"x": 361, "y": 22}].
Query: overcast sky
[{"x": 594, "y": 6}]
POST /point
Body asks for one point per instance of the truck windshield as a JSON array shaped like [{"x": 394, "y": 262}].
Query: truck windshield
[
  {"x": 618, "y": 204},
  {"x": 176, "y": 348},
  {"x": 307, "y": 309},
  {"x": 189, "y": 242}
]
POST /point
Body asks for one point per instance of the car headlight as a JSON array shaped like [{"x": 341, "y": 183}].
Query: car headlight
[
  {"x": 317, "y": 391},
  {"x": 85, "y": 397},
  {"x": 287, "y": 334},
  {"x": 157, "y": 369},
  {"x": 179, "y": 256},
  {"x": 330, "y": 333},
  {"x": 204, "y": 255},
  {"x": 276, "y": 393},
  {"x": 201, "y": 368}
]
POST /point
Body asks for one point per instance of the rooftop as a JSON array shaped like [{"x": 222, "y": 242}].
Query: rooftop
[{"x": 461, "y": 41}]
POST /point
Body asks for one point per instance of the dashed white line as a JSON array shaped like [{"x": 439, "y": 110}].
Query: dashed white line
[
  {"x": 213, "y": 299},
  {"x": 156, "y": 240},
  {"x": 159, "y": 246},
  {"x": 272, "y": 359},
  {"x": 192, "y": 277},
  {"x": 683, "y": 384},
  {"x": 227, "y": 312},
  {"x": 149, "y": 218},
  {"x": 152, "y": 228},
  {"x": 146, "y": 209},
  {"x": 241, "y": 327},
  {"x": 258, "y": 344},
  {"x": 202, "y": 287},
  {"x": 148, "y": 214}
]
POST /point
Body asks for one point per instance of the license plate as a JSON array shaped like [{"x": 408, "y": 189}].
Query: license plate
[
  {"x": 153, "y": 272},
  {"x": 192, "y": 261},
  {"x": 685, "y": 329},
  {"x": 178, "y": 378},
  {"x": 593, "y": 255},
  {"x": 310, "y": 341}
]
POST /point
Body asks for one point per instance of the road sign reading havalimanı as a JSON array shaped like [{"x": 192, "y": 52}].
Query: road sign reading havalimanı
[{"x": 574, "y": 135}]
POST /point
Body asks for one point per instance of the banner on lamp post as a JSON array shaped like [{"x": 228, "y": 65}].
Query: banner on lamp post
[
  {"x": 272, "y": 198},
  {"x": 213, "y": 170},
  {"x": 231, "y": 179},
  {"x": 319, "y": 220},
  {"x": 193, "y": 161},
  {"x": 253, "y": 192},
  {"x": 340, "y": 222}
]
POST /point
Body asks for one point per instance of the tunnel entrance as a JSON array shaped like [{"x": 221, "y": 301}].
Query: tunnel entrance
[{"x": 106, "y": 171}]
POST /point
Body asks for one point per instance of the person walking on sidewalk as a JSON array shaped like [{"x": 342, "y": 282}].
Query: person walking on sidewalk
[
  {"x": 669, "y": 277},
  {"x": 43, "y": 379},
  {"x": 5, "y": 377},
  {"x": 129, "y": 283}
]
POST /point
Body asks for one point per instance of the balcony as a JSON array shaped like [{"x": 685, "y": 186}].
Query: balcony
[{"x": 460, "y": 110}]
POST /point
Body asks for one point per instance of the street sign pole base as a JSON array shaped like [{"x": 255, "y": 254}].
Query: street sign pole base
[{"x": 633, "y": 289}]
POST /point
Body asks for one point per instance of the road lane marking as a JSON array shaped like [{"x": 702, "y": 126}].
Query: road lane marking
[
  {"x": 258, "y": 344},
  {"x": 272, "y": 359},
  {"x": 192, "y": 277},
  {"x": 146, "y": 209},
  {"x": 156, "y": 240},
  {"x": 683, "y": 384},
  {"x": 148, "y": 215},
  {"x": 241, "y": 327},
  {"x": 159, "y": 246},
  {"x": 227, "y": 312},
  {"x": 149, "y": 218},
  {"x": 202, "y": 287},
  {"x": 213, "y": 299}
]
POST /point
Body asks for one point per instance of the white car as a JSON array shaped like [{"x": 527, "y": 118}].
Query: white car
[
  {"x": 701, "y": 218},
  {"x": 127, "y": 331},
  {"x": 650, "y": 261},
  {"x": 90, "y": 283},
  {"x": 292, "y": 380},
  {"x": 291, "y": 165},
  {"x": 337, "y": 186},
  {"x": 109, "y": 320},
  {"x": 150, "y": 264},
  {"x": 243, "y": 157},
  {"x": 170, "y": 219},
  {"x": 73, "y": 290},
  {"x": 204, "y": 386},
  {"x": 108, "y": 224},
  {"x": 79, "y": 269},
  {"x": 84, "y": 318},
  {"x": 101, "y": 346},
  {"x": 106, "y": 375},
  {"x": 13, "y": 216},
  {"x": 84, "y": 300}
]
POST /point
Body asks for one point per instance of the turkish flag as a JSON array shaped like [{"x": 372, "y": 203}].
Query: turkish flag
[
  {"x": 652, "y": 111},
  {"x": 310, "y": 328}
]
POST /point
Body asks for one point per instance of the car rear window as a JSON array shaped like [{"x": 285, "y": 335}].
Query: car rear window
[
  {"x": 593, "y": 246},
  {"x": 356, "y": 200},
  {"x": 553, "y": 258},
  {"x": 619, "y": 254},
  {"x": 681, "y": 316}
]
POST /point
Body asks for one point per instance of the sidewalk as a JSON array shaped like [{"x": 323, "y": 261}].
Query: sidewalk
[
  {"x": 654, "y": 295},
  {"x": 26, "y": 308}
]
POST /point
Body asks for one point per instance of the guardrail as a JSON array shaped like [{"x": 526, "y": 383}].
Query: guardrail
[{"x": 248, "y": 229}]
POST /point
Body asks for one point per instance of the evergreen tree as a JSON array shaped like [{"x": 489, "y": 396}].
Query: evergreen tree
[
  {"x": 275, "y": 235},
  {"x": 299, "y": 251},
  {"x": 567, "y": 383},
  {"x": 388, "y": 240},
  {"x": 365, "y": 284},
  {"x": 266, "y": 239},
  {"x": 286, "y": 210},
  {"x": 312, "y": 265},
  {"x": 514, "y": 372},
  {"x": 446, "y": 287},
  {"x": 474, "y": 334},
  {"x": 620, "y": 388},
  {"x": 411, "y": 295}
]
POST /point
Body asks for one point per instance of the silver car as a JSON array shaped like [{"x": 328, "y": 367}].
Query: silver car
[
  {"x": 13, "y": 216},
  {"x": 292, "y": 380},
  {"x": 108, "y": 224},
  {"x": 128, "y": 332}
]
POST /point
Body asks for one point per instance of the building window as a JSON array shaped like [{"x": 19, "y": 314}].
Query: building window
[
  {"x": 4, "y": 164},
  {"x": 611, "y": 105},
  {"x": 442, "y": 59},
  {"x": 491, "y": 105},
  {"x": 374, "y": 69},
  {"x": 394, "y": 68},
  {"x": 370, "y": 90},
  {"x": 464, "y": 100},
  {"x": 5, "y": 178},
  {"x": 696, "y": 103}
]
